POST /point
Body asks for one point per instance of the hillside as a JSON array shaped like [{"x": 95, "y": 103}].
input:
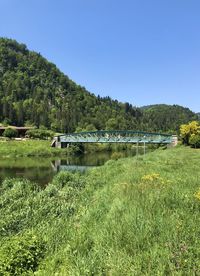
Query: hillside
[
  {"x": 34, "y": 91},
  {"x": 166, "y": 117}
]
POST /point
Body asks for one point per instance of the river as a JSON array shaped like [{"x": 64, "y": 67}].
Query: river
[{"x": 42, "y": 170}]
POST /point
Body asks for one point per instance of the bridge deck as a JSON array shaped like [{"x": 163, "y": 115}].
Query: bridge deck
[{"x": 115, "y": 136}]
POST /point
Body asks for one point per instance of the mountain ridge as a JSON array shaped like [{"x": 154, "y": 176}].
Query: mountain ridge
[{"x": 143, "y": 107}]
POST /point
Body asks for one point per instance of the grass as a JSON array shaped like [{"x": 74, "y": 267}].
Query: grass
[
  {"x": 133, "y": 216},
  {"x": 29, "y": 148}
]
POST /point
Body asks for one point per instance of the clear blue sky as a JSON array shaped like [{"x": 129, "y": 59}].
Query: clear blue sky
[{"x": 140, "y": 51}]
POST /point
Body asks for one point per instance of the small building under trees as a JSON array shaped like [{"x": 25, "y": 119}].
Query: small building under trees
[{"x": 21, "y": 131}]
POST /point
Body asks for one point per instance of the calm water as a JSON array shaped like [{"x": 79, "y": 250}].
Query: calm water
[{"x": 42, "y": 170}]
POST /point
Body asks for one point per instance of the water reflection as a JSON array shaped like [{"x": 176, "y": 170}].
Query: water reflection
[
  {"x": 65, "y": 165},
  {"x": 42, "y": 170}
]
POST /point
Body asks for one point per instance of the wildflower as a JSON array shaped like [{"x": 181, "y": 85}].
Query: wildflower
[
  {"x": 197, "y": 195},
  {"x": 151, "y": 177}
]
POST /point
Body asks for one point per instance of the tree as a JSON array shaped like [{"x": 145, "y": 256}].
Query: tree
[
  {"x": 194, "y": 140},
  {"x": 189, "y": 130}
]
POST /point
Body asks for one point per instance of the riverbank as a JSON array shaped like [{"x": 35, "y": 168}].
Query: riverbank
[
  {"x": 42, "y": 148},
  {"x": 133, "y": 216},
  {"x": 28, "y": 148}
]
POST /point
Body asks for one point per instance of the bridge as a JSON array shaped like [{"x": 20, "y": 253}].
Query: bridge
[{"x": 114, "y": 136}]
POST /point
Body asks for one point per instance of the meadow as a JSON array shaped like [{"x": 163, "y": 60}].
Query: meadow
[
  {"x": 28, "y": 148},
  {"x": 132, "y": 216}
]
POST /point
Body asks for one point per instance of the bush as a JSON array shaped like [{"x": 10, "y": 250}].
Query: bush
[
  {"x": 21, "y": 255},
  {"x": 65, "y": 178},
  {"x": 187, "y": 131},
  {"x": 6, "y": 122},
  {"x": 10, "y": 132},
  {"x": 195, "y": 141},
  {"x": 42, "y": 134},
  {"x": 116, "y": 155}
]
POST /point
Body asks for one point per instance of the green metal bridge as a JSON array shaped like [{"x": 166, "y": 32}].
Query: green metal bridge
[{"x": 114, "y": 136}]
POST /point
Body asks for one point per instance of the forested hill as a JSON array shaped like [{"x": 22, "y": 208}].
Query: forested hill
[
  {"x": 34, "y": 91},
  {"x": 166, "y": 117}
]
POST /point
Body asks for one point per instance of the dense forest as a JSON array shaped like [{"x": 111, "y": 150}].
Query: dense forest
[
  {"x": 34, "y": 91},
  {"x": 166, "y": 117}
]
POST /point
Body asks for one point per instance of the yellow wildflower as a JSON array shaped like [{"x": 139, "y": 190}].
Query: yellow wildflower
[
  {"x": 197, "y": 195},
  {"x": 151, "y": 177}
]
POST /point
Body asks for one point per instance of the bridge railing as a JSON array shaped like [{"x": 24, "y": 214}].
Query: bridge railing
[
  {"x": 114, "y": 132},
  {"x": 116, "y": 136}
]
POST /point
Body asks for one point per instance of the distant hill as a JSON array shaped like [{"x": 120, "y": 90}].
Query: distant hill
[
  {"x": 33, "y": 91},
  {"x": 166, "y": 117}
]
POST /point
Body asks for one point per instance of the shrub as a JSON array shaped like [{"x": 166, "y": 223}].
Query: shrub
[
  {"x": 195, "y": 141},
  {"x": 10, "y": 132},
  {"x": 6, "y": 122},
  {"x": 65, "y": 178},
  {"x": 187, "y": 131},
  {"x": 8, "y": 183},
  {"x": 21, "y": 255},
  {"x": 42, "y": 134},
  {"x": 116, "y": 155}
]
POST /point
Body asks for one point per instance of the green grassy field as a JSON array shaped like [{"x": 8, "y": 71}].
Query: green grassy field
[
  {"x": 27, "y": 148},
  {"x": 134, "y": 216}
]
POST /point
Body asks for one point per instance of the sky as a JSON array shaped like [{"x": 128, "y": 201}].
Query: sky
[{"x": 137, "y": 51}]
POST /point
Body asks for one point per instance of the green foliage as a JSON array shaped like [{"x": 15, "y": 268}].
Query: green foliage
[
  {"x": 21, "y": 254},
  {"x": 6, "y": 122},
  {"x": 190, "y": 133},
  {"x": 116, "y": 155},
  {"x": 194, "y": 140},
  {"x": 36, "y": 209},
  {"x": 30, "y": 148},
  {"x": 87, "y": 127},
  {"x": 67, "y": 179},
  {"x": 10, "y": 132},
  {"x": 116, "y": 123},
  {"x": 167, "y": 118},
  {"x": 42, "y": 134},
  {"x": 134, "y": 216}
]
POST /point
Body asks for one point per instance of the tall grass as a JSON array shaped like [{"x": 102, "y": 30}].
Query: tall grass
[
  {"x": 134, "y": 216},
  {"x": 30, "y": 148}
]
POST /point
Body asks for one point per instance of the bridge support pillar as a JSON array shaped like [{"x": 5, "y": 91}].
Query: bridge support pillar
[
  {"x": 56, "y": 142},
  {"x": 174, "y": 142}
]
